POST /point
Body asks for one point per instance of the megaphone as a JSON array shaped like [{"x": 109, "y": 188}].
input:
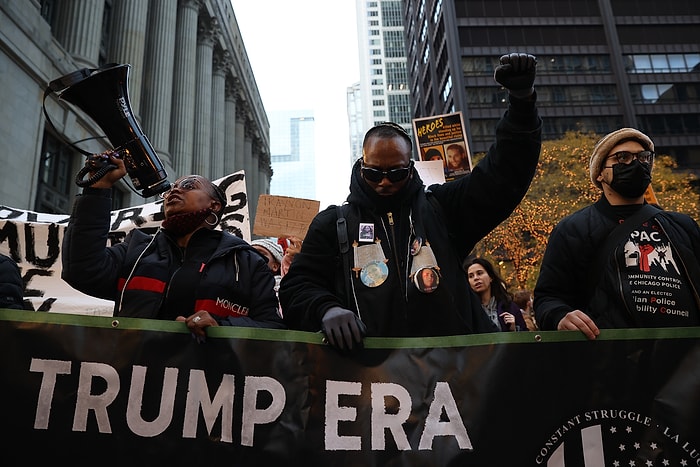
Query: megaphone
[{"x": 102, "y": 94}]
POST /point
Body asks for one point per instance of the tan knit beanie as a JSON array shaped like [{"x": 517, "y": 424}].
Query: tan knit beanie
[{"x": 604, "y": 146}]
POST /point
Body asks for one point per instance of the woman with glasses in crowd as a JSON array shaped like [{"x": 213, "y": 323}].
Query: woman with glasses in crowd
[{"x": 187, "y": 271}]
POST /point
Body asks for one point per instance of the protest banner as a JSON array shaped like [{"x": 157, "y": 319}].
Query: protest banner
[
  {"x": 284, "y": 216},
  {"x": 443, "y": 137},
  {"x": 34, "y": 240},
  {"x": 86, "y": 390}
]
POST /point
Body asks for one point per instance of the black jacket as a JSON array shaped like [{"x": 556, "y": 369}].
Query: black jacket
[
  {"x": 460, "y": 214},
  {"x": 150, "y": 276},
  {"x": 564, "y": 282},
  {"x": 11, "y": 284}
]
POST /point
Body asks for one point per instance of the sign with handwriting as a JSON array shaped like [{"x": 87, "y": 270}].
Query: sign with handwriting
[{"x": 284, "y": 216}]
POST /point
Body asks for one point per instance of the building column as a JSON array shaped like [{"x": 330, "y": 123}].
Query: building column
[
  {"x": 182, "y": 122},
  {"x": 222, "y": 61},
  {"x": 127, "y": 43},
  {"x": 157, "y": 95},
  {"x": 80, "y": 31},
  {"x": 249, "y": 176},
  {"x": 230, "y": 128},
  {"x": 240, "y": 136},
  {"x": 201, "y": 152}
]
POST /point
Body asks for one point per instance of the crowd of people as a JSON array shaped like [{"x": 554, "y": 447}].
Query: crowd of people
[{"x": 406, "y": 269}]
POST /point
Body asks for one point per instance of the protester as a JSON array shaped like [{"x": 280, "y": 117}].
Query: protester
[
  {"x": 523, "y": 298},
  {"x": 11, "y": 284},
  {"x": 620, "y": 262},
  {"x": 291, "y": 248},
  {"x": 272, "y": 251},
  {"x": 328, "y": 289},
  {"x": 495, "y": 299},
  {"x": 187, "y": 271}
]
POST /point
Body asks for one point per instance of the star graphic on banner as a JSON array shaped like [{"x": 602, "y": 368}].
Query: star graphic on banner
[{"x": 630, "y": 445}]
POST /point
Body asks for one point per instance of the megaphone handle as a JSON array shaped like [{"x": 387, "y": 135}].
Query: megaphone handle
[{"x": 101, "y": 172}]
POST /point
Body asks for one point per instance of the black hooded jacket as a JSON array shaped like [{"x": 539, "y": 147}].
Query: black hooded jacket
[
  {"x": 150, "y": 276},
  {"x": 459, "y": 214}
]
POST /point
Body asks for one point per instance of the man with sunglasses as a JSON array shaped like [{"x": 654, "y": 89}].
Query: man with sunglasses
[
  {"x": 187, "y": 271},
  {"x": 371, "y": 290},
  {"x": 620, "y": 262}
]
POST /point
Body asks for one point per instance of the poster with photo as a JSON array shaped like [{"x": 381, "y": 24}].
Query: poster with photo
[{"x": 442, "y": 137}]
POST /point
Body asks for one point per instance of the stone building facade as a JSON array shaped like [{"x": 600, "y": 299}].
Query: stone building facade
[{"x": 190, "y": 86}]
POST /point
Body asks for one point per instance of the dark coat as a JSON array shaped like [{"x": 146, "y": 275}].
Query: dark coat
[
  {"x": 11, "y": 284},
  {"x": 564, "y": 282},
  {"x": 460, "y": 214},
  {"x": 223, "y": 274}
]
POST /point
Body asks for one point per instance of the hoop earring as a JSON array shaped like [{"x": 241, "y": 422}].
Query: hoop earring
[{"x": 216, "y": 221}]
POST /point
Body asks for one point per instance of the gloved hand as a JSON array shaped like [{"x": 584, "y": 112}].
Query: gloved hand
[
  {"x": 343, "y": 329},
  {"x": 516, "y": 73}
]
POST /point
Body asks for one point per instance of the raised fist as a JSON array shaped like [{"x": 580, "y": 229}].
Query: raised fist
[{"x": 516, "y": 73}]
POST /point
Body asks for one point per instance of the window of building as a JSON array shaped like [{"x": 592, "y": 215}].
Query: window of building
[
  {"x": 393, "y": 44},
  {"x": 396, "y": 76},
  {"x": 55, "y": 176},
  {"x": 392, "y": 14}
]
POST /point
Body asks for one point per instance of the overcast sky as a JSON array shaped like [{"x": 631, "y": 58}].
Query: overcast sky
[{"x": 304, "y": 57}]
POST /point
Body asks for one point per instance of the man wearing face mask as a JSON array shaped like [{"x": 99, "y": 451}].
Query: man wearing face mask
[{"x": 620, "y": 262}]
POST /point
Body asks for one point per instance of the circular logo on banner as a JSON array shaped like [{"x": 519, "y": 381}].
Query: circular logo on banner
[
  {"x": 426, "y": 280},
  {"x": 374, "y": 273}
]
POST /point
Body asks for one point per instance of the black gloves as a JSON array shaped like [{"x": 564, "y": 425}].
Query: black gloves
[
  {"x": 516, "y": 73},
  {"x": 343, "y": 329}
]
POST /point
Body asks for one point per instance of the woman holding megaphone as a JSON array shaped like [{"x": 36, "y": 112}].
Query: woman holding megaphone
[{"x": 187, "y": 271}]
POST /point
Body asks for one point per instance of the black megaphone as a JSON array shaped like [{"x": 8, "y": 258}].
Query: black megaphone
[{"x": 103, "y": 95}]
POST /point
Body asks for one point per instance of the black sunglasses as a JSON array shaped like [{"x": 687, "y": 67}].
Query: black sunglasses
[{"x": 394, "y": 175}]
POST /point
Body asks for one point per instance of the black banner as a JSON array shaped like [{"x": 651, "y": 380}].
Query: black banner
[{"x": 92, "y": 390}]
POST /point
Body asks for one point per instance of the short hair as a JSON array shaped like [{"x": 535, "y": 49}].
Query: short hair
[
  {"x": 459, "y": 147},
  {"x": 388, "y": 130}
]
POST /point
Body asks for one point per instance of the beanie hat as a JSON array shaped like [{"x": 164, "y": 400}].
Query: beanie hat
[
  {"x": 609, "y": 141},
  {"x": 272, "y": 246}
]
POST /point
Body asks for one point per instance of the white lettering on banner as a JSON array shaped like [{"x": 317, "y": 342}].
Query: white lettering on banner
[
  {"x": 613, "y": 437},
  {"x": 167, "y": 401},
  {"x": 197, "y": 398},
  {"x": 390, "y": 406},
  {"x": 381, "y": 418},
  {"x": 336, "y": 414},
  {"x": 443, "y": 400},
  {"x": 253, "y": 416},
  {"x": 223, "y": 402}
]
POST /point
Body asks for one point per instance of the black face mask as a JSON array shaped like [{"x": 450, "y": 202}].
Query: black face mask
[{"x": 631, "y": 180}]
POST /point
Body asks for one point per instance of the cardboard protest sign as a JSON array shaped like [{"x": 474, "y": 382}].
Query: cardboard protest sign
[
  {"x": 443, "y": 138},
  {"x": 284, "y": 216}
]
